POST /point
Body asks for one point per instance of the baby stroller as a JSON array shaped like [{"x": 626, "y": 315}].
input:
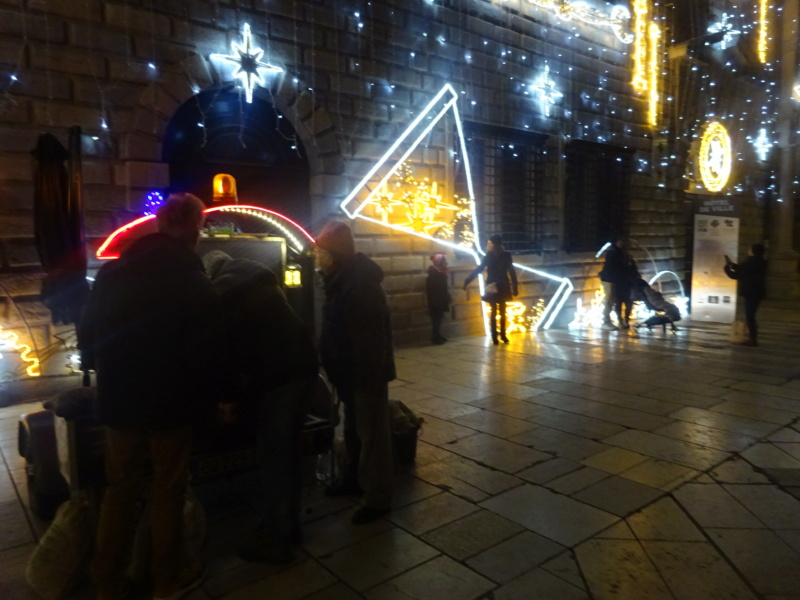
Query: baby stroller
[{"x": 666, "y": 312}]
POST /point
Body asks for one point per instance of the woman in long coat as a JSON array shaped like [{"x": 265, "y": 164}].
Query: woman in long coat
[{"x": 501, "y": 282}]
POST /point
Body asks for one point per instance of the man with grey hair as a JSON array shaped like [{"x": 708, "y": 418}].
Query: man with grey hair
[{"x": 148, "y": 331}]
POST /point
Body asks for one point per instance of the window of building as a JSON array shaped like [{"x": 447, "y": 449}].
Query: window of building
[
  {"x": 508, "y": 173},
  {"x": 596, "y": 195}
]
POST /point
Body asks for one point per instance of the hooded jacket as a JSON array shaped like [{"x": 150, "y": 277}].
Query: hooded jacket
[
  {"x": 269, "y": 344},
  {"x": 356, "y": 339},
  {"x": 150, "y": 332}
]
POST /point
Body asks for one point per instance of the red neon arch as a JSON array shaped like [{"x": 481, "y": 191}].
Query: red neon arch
[{"x": 114, "y": 244}]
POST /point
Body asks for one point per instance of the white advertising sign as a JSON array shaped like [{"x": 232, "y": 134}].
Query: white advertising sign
[{"x": 716, "y": 234}]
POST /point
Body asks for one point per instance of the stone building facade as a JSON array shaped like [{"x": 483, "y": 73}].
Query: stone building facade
[{"x": 529, "y": 77}]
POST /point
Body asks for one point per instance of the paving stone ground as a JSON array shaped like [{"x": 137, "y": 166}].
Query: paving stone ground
[{"x": 565, "y": 465}]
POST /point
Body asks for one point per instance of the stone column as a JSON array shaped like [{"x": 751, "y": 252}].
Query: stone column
[{"x": 783, "y": 282}]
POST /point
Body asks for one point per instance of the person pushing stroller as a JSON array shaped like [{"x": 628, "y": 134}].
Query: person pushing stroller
[{"x": 666, "y": 312}]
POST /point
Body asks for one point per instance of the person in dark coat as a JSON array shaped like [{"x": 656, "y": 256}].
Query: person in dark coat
[
  {"x": 624, "y": 291},
  {"x": 149, "y": 332},
  {"x": 751, "y": 274},
  {"x": 275, "y": 366},
  {"x": 617, "y": 278},
  {"x": 356, "y": 352},
  {"x": 500, "y": 283},
  {"x": 438, "y": 295}
]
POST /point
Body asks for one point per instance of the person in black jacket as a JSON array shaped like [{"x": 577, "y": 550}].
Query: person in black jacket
[
  {"x": 275, "y": 365},
  {"x": 752, "y": 277},
  {"x": 148, "y": 331},
  {"x": 356, "y": 352},
  {"x": 617, "y": 277},
  {"x": 501, "y": 283},
  {"x": 438, "y": 295}
]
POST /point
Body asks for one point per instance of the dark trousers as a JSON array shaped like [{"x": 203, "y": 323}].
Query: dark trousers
[
  {"x": 127, "y": 452},
  {"x": 498, "y": 306},
  {"x": 437, "y": 316},
  {"x": 280, "y": 432},
  {"x": 368, "y": 439},
  {"x": 750, "y": 307}
]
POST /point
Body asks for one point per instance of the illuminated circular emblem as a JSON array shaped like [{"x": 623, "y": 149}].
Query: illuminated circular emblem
[{"x": 715, "y": 157}]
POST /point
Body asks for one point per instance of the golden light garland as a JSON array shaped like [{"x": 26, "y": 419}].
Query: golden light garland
[
  {"x": 654, "y": 34},
  {"x": 641, "y": 10},
  {"x": 25, "y": 352},
  {"x": 763, "y": 30}
]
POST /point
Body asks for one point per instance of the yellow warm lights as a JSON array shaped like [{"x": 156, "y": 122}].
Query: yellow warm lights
[
  {"x": 715, "y": 157},
  {"x": 413, "y": 205},
  {"x": 641, "y": 10},
  {"x": 646, "y": 57},
  {"x": 292, "y": 278},
  {"x": 25, "y": 352},
  {"x": 654, "y": 34},
  {"x": 763, "y": 30}
]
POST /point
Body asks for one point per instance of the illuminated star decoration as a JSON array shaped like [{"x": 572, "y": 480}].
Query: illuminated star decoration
[
  {"x": 546, "y": 88},
  {"x": 762, "y": 145},
  {"x": 725, "y": 26},
  {"x": 248, "y": 63}
]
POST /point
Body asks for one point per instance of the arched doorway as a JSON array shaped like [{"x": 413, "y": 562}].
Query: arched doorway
[{"x": 217, "y": 132}]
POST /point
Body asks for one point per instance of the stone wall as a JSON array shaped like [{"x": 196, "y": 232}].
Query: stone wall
[{"x": 352, "y": 82}]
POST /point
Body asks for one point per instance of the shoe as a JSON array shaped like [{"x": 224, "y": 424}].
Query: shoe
[
  {"x": 494, "y": 340},
  {"x": 609, "y": 326},
  {"x": 262, "y": 550},
  {"x": 624, "y": 325},
  {"x": 343, "y": 488},
  {"x": 504, "y": 338},
  {"x": 438, "y": 341},
  {"x": 366, "y": 515},
  {"x": 747, "y": 343},
  {"x": 194, "y": 582}
]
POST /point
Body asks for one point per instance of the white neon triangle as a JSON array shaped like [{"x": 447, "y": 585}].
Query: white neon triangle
[{"x": 362, "y": 194}]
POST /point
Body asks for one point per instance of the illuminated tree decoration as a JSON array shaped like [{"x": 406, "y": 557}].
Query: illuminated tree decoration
[
  {"x": 730, "y": 35},
  {"x": 546, "y": 88},
  {"x": 762, "y": 145},
  {"x": 25, "y": 352},
  {"x": 419, "y": 210},
  {"x": 248, "y": 63},
  {"x": 715, "y": 156}
]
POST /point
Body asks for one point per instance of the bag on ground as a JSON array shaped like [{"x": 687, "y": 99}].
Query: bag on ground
[{"x": 61, "y": 559}]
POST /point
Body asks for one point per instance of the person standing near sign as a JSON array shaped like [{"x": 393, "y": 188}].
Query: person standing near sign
[
  {"x": 751, "y": 274},
  {"x": 501, "y": 283}
]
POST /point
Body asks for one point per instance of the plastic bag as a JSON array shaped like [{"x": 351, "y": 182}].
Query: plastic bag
[
  {"x": 61, "y": 559},
  {"x": 490, "y": 292}
]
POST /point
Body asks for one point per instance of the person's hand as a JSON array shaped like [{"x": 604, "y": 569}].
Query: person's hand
[{"x": 226, "y": 413}]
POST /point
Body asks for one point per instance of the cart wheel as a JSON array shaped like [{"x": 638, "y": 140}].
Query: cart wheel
[{"x": 47, "y": 488}]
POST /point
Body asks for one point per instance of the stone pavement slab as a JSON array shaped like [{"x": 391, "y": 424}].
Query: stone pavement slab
[{"x": 566, "y": 465}]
